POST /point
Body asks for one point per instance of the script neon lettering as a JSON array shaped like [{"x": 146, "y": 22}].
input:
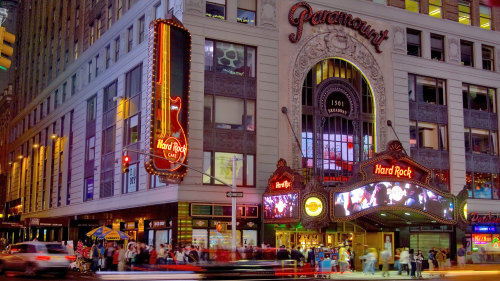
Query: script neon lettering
[
  {"x": 393, "y": 170},
  {"x": 173, "y": 147},
  {"x": 283, "y": 185}
]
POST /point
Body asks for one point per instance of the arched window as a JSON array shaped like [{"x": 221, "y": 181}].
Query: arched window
[{"x": 337, "y": 120}]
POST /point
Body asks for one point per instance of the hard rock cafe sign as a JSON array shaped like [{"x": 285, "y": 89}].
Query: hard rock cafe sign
[
  {"x": 302, "y": 13},
  {"x": 170, "y": 49}
]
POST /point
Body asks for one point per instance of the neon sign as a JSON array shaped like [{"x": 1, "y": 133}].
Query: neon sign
[
  {"x": 484, "y": 219},
  {"x": 170, "y": 49},
  {"x": 485, "y": 229},
  {"x": 481, "y": 238},
  {"x": 393, "y": 170},
  {"x": 332, "y": 18},
  {"x": 283, "y": 185}
]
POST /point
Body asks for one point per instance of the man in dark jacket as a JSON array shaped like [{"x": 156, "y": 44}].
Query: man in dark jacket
[
  {"x": 283, "y": 253},
  {"x": 297, "y": 255}
]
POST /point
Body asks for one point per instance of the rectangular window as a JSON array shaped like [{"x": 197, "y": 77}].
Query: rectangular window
[
  {"x": 246, "y": 11},
  {"x": 91, "y": 108},
  {"x": 130, "y": 179},
  {"x": 157, "y": 11},
  {"x": 92, "y": 35},
  {"x": 48, "y": 105},
  {"x": 110, "y": 16},
  {"x": 133, "y": 82},
  {"x": 481, "y": 141},
  {"x": 413, "y": 42},
  {"x": 483, "y": 185},
  {"x": 412, "y": 6},
  {"x": 216, "y": 9},
  {"x": 426, "y": 89},
  {"x": 437, "y": 47},
  {"x": 109, "y": 94},
  {"x": 130, "y": 38},
  {"x": 73, "y": 85},
  {"x": 132, "y": 129},
  {"x": 464, "y": 12},
  {"x": 488, "y": 57},
  {"x": 428, "y": 135},
  {"x": 108, "y": 56},
  {"x": 108, "y": 140},
  {"x": 435, "y": 7},
  {"x": 56, "y": 98},
  {"x": 90, "y": 145},
  {"x": 75, "y": 50},
  {"x": 99, "y": 28},
  {"x": 485, "y": 17},
  {"x": 479, "y": 98},
  {"x": 90, "y": 72},
  {"x": 221, "y": 168},
  {"x": 96, "y": 65},
  {"x": 64, "y": 92},
  {"x": 117, "y": 48},
  {"x": 120, "y": 10},
  {"x": 141, "y": 30},
  {"x": 466, "y": 53},
  {"x": 230, "y": 58}
]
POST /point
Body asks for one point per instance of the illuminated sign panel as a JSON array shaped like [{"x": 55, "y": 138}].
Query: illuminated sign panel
[
  {"x": 389, "y": 194},
  {"x": 170, "y": 51},
  {"x": 313, "y": 206},
  {"x": 282, "y": 206},
  {"x": 285, "y": 184},
  {"x": 485, "y": 229}
]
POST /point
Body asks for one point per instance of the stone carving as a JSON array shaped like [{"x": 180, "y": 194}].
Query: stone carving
[
  {"x": 267, "y": 12},
  {"x": 334, "y": 42},
  {"x": 194, "y": 6},
  {"x": 454, "y": 53},
  {"x": 399, "y": 42}
]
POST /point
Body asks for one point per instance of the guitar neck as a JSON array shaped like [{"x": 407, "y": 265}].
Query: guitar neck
[{"x": 165, "y": 79}]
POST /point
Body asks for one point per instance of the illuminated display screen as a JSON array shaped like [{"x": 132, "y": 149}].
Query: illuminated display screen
[
  {"x": 392, "y": 194},
  {"x": 485, "y": 228},
  {"x": 282, "y": 206}
]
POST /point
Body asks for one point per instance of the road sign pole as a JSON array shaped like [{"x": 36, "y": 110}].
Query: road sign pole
[{"x": 233, "y": 209}]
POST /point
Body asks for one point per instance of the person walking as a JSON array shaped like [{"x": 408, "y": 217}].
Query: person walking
[
  {"x": 153, "y": 256},
  {"x": 441, "y": 259},
  {"x": 404, "y": 259},
  {"x": 162, "y": 254},
  {"x": 283, "y": 253},
  {"x": 413, "y": 262},
  {"x": 385, "y": 256},
  {"x": 116, "y": 258},
  {"x": 461, "y": 256},
  {"x": 94, "y": 252},
  {"x": 418, "y": 260},
  {"x": 431, "y": 259},
  {"x": 343, "y": 259},
  {"x": 397, "y": 255}
]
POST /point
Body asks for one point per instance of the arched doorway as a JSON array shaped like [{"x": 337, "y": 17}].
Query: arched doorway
[{"x": 338, "y": 120}]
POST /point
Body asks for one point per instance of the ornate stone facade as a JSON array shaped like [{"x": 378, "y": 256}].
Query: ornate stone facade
[{"x": 334, "y": 42}]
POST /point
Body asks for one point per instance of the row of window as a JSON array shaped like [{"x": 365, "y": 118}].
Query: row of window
[
  {"x": 414, "y": 46},
  {"x": 245, "y": 12},
  {"x": 463, "y": 9}
]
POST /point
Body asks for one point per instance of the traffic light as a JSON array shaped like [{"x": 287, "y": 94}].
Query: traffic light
[
  {"x": 5, "y": 50},
  {"x": 126, "y": 162}
]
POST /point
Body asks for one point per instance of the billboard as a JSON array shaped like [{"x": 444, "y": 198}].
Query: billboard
[
  {"x": 389, "y": 194},
  {"x": 170, "y": 52}
]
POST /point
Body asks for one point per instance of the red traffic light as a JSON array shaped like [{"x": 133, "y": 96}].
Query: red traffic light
[{"x": 126, "y": 159}]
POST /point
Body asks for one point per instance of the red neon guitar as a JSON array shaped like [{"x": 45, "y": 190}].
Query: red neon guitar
[{"x": 172, "y": 139}]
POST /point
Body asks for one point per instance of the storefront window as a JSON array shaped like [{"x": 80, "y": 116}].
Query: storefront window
[
  {"x": 200, "y": 237},
  {"x": 223, "y": 239},
  {"x": 249, "y": 238}
]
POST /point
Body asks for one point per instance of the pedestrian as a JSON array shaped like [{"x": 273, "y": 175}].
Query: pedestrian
[
  {"x": 385, "y": 256},
  {"x": 441, "y": 258},
  {"x": 94, "y": 255},
  {"x": 372, "y": 260},
  {"x": 179, "y": 255},
  {"x": 130, "y": 256},
  {"x": 413, "y": 262},
  {"x": 404, "y": 259},
  {"x": 153, "y": 256},
  {"x": 448, "y": 258},
  {"x": 116, "y": 258},
  {"x": 431, "y": 260},
  {"x": 122, "y": 260},
  {"x": 108, "y": 253},
  {"x": 162, "y": 254},
  {"x": 461, "y": 256},
  {"x": 343, "y": 259},
  {"x": 419, "y": 259},
  {"x": 397, "y": 255},
  {"x": 297, "y": 255},
  {"x": 311, "y": 259},
  {"x": 283, "y": 253}
]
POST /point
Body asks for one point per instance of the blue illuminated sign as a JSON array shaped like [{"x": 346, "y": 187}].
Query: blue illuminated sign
[{"x": 485, "y": 229}]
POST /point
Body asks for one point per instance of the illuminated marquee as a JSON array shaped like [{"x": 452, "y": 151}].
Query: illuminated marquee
[
  {"x": 393, "y": 170},
  {"x": 170, "y": 51},
  {"x": 313, "y": 206}
]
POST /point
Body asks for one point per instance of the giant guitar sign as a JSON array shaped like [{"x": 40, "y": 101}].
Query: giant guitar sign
[{"x": 170, "y": 51}]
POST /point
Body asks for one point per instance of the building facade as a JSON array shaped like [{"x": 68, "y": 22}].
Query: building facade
[{"x": 262, "y": 74}]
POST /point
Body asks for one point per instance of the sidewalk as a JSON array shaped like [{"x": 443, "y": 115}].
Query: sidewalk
[{"x": 393, "y": 275}]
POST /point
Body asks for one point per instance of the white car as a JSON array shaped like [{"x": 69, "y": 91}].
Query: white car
[{"x": 33, "y": 258}]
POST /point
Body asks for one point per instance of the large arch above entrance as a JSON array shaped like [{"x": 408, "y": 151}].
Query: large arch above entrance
[{"x": 335, "y": 42}]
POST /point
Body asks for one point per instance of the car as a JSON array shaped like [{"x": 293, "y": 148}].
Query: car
[{"x": 34, "y": 258}]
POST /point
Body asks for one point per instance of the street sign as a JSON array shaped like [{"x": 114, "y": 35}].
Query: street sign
[{"x": 234, "y": 194}]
